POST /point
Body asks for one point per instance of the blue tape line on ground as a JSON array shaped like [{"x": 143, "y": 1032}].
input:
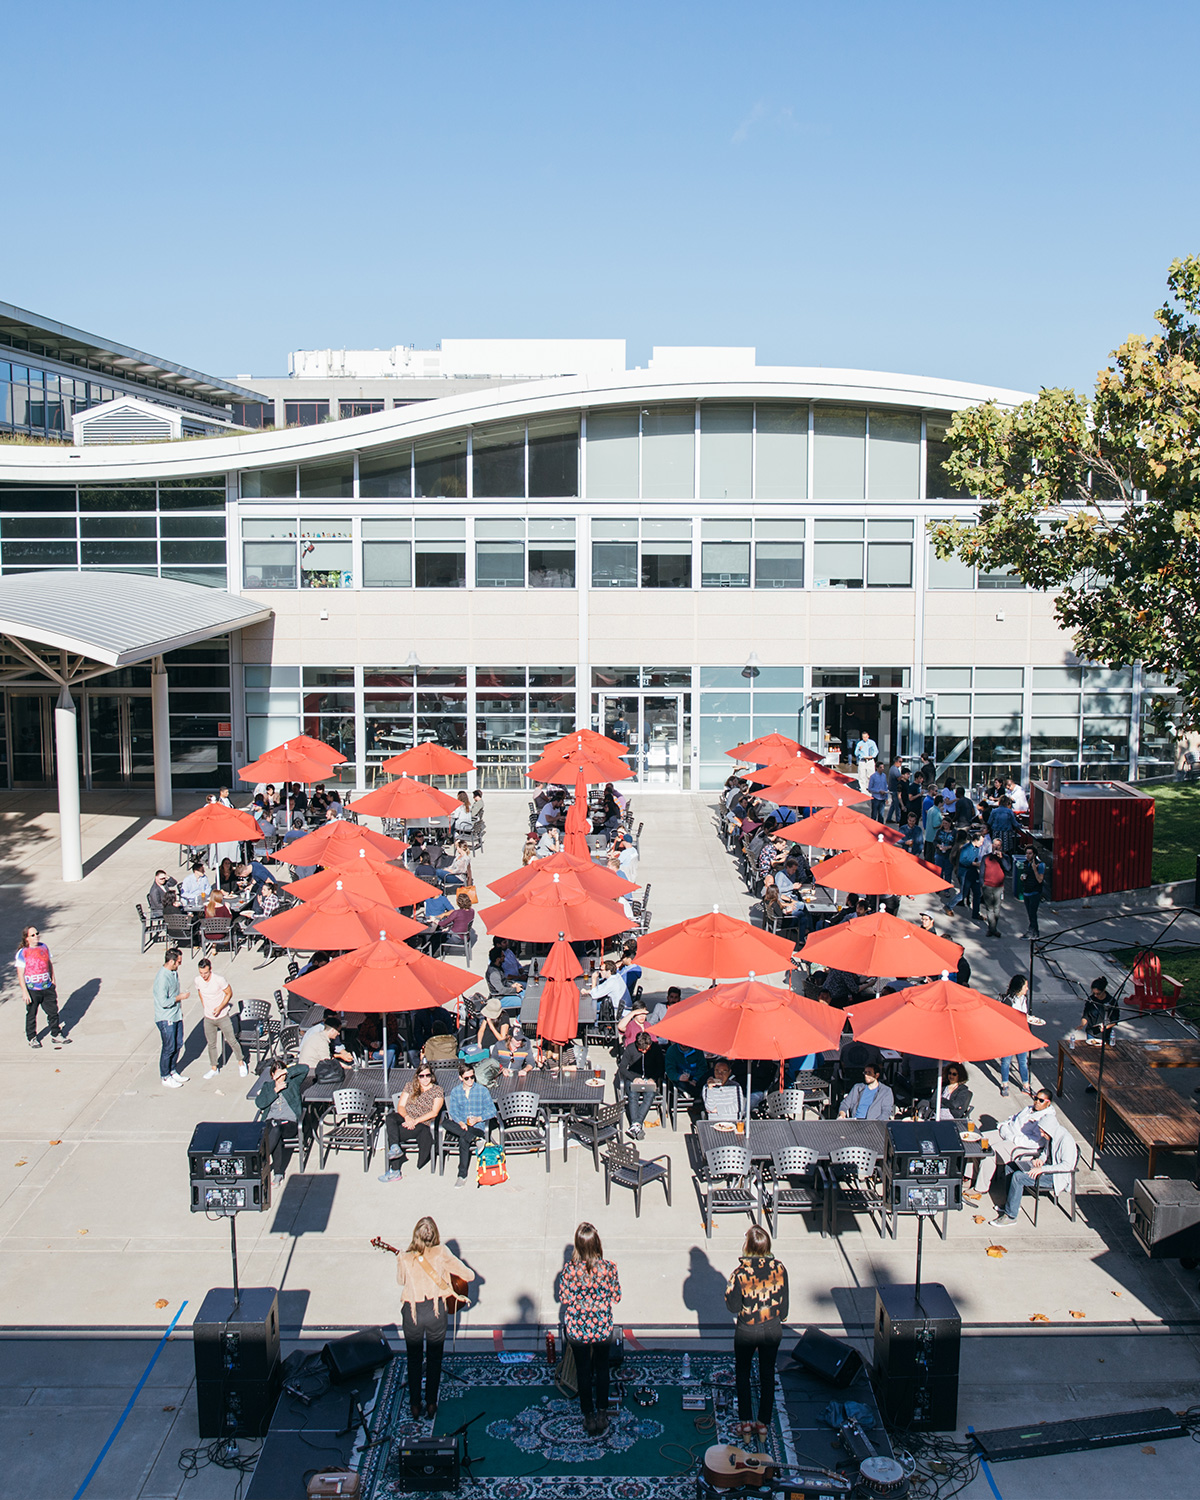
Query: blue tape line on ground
[
  {"x": 129, "y": 1404},
  {"x": 987, "y": 1473}
]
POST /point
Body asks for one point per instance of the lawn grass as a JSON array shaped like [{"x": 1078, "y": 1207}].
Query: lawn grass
[
  {"x": 1181, "y": 962},
  {"x": 1176, "y": 831}
]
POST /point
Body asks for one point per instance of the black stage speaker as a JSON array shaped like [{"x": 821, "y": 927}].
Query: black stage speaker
[
  {"x": 1165, "y": 1214},
  {"x": 916, "y": 1357},
  {"x": 356, "y": 1355},
  {"x": 236, "y": 1350},
  {"x": 229, "y": 1168},
  {"x": 428, "y": 1464},
  {"x": 923, "y": 1167},
  {"x": 829, "y": 1359}
]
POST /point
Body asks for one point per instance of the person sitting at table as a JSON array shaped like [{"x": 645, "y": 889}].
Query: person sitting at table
[
  {"x": 163, "y": 895},
  {"x": 846, "y": 988},
  {"x": 550, "y": 812},
  {"x": 458, "y": 922},
  {"x": 549, "y": 843},
  {"x": 507, "y": 992},
  {"x": 1100, "y": 1013},
  {"x": 197, "y": 884},
  {"x": 410, "y": 1121},
  {"x": 641, "y": 1070},
  {"x": 436, "y": 906},
  {"x": 684, "y": 1067},
  {"x": 493, "y": 1029},
  {"x": 510, "y": 963},
  {"x": 277, "y": 1099},
  {"x": 1016, "y": 1140},
  {"x": 529, "y": 850},
  {"x": 317, "y": 1045},
  {"x": 869, "y": 1100},
  {"x": 458, "y": 871},
  {"x": 658, "y": 1010},
  {"x": 611, "y": 811},
  {"x": 515, "y": 1053},
  {"x": 608, "y": 990},
  {"x": 956, "y": 1096},
  {"x": 1056, "y": 1158},
  {"x": 215, "y": 906},
  {"x": 468, "y": 1110},
  {"x": 462, "y": 824},
  {"x": 723, "y": 1098}
]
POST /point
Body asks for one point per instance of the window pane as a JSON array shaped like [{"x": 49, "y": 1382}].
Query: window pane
[
  {"x": 500, "y": 565},
  {"x": 41, "y": 527},
  {"x": 1002, "y": 578},
  {"x": 554, "y": 457},
  {"x": 117, "y": 526},
  {"x": 889, "y": 565},
  {"x": 838, "y": 565},
  {"x": 1055, "y": 703},
  {"x": 442, "y": 528},
  {"x": 1105, "y": 740},
  {"x": 950, "y": 573},
  {"x": 938, "y": 484},
  {"x": 334, "y": 481},
  {"x": 725, "y": 565},
  {"x": 305, "y": 413},
  {"x": 998, "y": 677},
  {"x": 992, "y": 705},
  {"x": 781, "y": 452},
  {"x": 726, "y": 531},
  {"x": 1054, "y": 736},
  {"x": 725, "y": 441},
  {"x": 996, "y": 739},
  {"x": 614, "y": 565},
  {"x": 387, "y": 565},
  {"x": 614, "y": 531},
  {"x": 839, "y": 456},
  {"x": 325, "y": 554},
  {"x": 192, "y": 526},
  {"x": 1108, "y": 679},
  {"x": 1053, "y": 677},
  {"x": 118, "y": 554},
  {"x": 779, "y": 565},
  {"x": 895, "y": 455},
  {"x": 551, "y": 565},
  {"x": 668, "y": 452},
  {"x": 441, "y": 468},
  {"x": 612, "y": 455},
  {"x": 666, "y": 566},
  {"x": 386, "y": 476},
  {"x": 441, "y": 565},
  {"x": 359, "y": 408},
  {"x": 499, "y": 461},
  {"x": 194, "y": 553},
  {"x": 269, "y": 565},
  {"x": 889, "y": 531},
  {"x": 948, "y": 677},
  {"x": 42, "y": 553},
  {"x": 269, "y": 484},
  {"x": 837, "y": 531}
]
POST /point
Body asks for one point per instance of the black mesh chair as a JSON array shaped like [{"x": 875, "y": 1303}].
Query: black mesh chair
[
  {"x": 351, "y": 1125},
  {"x": 595, "y": 1129},
  {"x": 792, "y": 1185},
  {"x": 180, "y": 929},
  {"x": 154, "y": 929},
  {"x": 219, "y": 935},
  {"x": 253, "y": 1032},
  {"x": 525, "y": 1129},
  {"x": 625, "y": 1167},
  {"x": 852, "y": 1185},
  {"x": 728, "y": 1184},
  {"x": 1043, "y": 1187}
]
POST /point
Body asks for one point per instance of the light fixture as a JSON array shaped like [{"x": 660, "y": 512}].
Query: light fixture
[
  {"x": 412, "y": 661},
  {"x": 324, "y": 615},
  {"x": 753, "y": 667}
]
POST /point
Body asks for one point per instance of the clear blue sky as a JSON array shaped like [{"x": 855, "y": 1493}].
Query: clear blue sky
[{"x": 986, "y": 192}]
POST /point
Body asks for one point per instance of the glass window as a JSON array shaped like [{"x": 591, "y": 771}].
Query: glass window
[
  {"x": 781, "y": 452},
  {"x": 894, "y": 451},
  {"x": 1105, "y": 740},
  {"x": 666, "y": 555},
  {"x": 779, "y": 554},
  {"x": 386, "y": 476},
  {"x": 44, "y": 554},
  {"x": 44, "y": 497},
  {"x": 668, "y": 452},
  {"x": 259, "y": 675},
  {"x": 118, "y": 497},
  {"x": 552, "y": 677},
  {"x": 992, "y": 705},
  {"x": 269, "y": 484},
  {"x": 837, "y": 556},
  {"x": 440, "y": 560},
  {"x": 1107, "y": 679},
  {"x": 612, "y": 455},
  {"x": 41, "y": 526},
  {"x": 948, "y": 573},
  {"x": 387, "y": 677},
  {"x": 1107, "y": 704},
  {"x": 553, "y": 458},
  {"x": 725, "y": 565},
  {"x": 1001, "y": 578},
  {"x": 999, "y": 677},
  {"x": 195, "y": 553},
  {"x": 551, "y": 553},
  {"x": 117, "y": 526},
  {"x": 387, "y": 554},
  {"x": 500, "y": 554},
  {"x": 209, "y": 578},
  {"x": 326, "y": 554},
  {"x": 331, "y": 677},
  {"x": 777, "y": 677},
  {"x": 614, "y": 565},
  {"x": 359, "y": 408},
  {"x": 499, "y": 461},
  {"x": 269, "y": 565},
  {"x": 440, "y": 468},
  {"x": 938, "y": 484},
  {"x": 118, "y": 554},
  {"x": 889, "y": 565},
  {"x": 839, "y": 453},
  {"x": 171, "y": 498},
  {"x": 1055, "y": 703},
  {"x": 305, "y": 413},
  {"x": 175, "y": 526},
  {"x": 725, "y": 452},
  {"x": 996, "y": 740},
  {"x": 1051, "y": 736},
  {"x": 333, "y": 481},
  {"x": 1054, "y": 677}
]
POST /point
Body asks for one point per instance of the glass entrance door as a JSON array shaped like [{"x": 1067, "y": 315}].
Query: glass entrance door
[
  {"x": 31, "y": 720},
  {"x": 651, "y": 724},
  {"x": 121, "y": 740}
]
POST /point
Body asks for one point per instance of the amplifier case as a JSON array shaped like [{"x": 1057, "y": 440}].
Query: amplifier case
[
  {"x": 245, "y": 1168},
  {"x": 356, "y": 1355},
  {"x": 917, "y": 1347},
  {"x": 428, "y": 1464},
  {"x": 237, "y": 1408},
  {"x": 829, "y": 1359},
  {"x": 1165, "y": 1214}
]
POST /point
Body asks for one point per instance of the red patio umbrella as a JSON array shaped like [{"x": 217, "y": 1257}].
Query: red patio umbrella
[
  {"x": 881, "y": 945},
  {"x": 815, "y": 788},
  {"x": 214, "y": 823},
  {"x": 561, "y": 909},
  {"x": 594, "y": 878},
  {"x": 558, "y": 1005},
  {"x": 339, "y": 841},
  {"x": 839, "y": 827},
  {"x": 879, "y": 870},
  {"x": 406, "y": 798},
  {"x": 391, "y": 885},
  {"x": 316, "y": 750},
  {"x": 337, "y": 920},
  {"x": 591, "y": 740},
  {"x": 561, "y": 962},
  {"x": 770, "y": 750},
  {"x": 716, "y": 947},
  {"x": 284, "y": 764},
  {"x": 944, "y": 1020},
  {"x": 429, "y": 759},
  {"x": 577, "y": 814},
  {"x": 567, "y": 765}
]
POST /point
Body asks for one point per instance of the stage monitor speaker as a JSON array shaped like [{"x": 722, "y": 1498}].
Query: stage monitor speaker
[
  {"x": 1165, "y": 1214},
  {"x": 237, "y": 1408},
  {"x": 428, "y": 1464},
  {"x": 356, "y": 1355},
  {"x": 236, "y": 1350},
  {"x": 829, "y": 1359},
  {"x": 917, "y": 1342},
  {"x": 229, "y": 1168}
]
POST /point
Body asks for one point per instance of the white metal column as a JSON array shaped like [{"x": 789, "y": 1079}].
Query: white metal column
[
  {"x": 160, "y": 720},
  {"x": 66, "y": 744}
]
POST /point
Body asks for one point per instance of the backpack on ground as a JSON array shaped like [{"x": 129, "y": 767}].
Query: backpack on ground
[{"x": 490, "y": 1168}]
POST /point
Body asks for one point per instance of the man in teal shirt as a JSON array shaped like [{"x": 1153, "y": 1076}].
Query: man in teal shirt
[{"x": 168, "y": 1017}]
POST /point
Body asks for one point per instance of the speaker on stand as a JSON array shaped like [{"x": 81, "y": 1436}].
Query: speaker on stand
[{"x": 236, "y": 1349}]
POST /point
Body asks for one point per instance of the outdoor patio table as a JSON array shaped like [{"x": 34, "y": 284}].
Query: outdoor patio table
[
  {"x": 820, "y": 1136},
  {"x": 531, "y": 1003},
  {"x": 1159, "y": 1117}
]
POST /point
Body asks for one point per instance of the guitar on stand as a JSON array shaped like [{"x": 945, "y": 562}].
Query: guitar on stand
[
  {"x": 728, "y": 1468},
  {"x": 457, "y": 1298}
]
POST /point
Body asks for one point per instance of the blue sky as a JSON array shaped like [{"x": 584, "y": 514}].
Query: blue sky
[{"x": 986, "y": 192}]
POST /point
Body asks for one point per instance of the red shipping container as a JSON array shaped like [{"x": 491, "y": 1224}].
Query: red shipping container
[{"x": 1102, "y": 835}]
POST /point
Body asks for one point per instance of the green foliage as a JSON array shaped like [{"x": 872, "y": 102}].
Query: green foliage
[{"x": 1100, "y": 500}]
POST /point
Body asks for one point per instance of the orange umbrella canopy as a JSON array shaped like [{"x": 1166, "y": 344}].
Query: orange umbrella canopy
[
  {"x": 594, "y": 878},
  {"x": 944, "y": 1020},
  {"x": 561, "y": 962},
  {"x": 771, "y": 750},
  {"x": 428, "y": 760},
  {"x": 388, "y": 884},
  {"x": 568, "y": 764},
  {"x": 285, "y": 763},
  {"x": 338, "y": 919},
  {"x": 406, "y": 798},
  {"x": 558, "y": 1011},
  {"x": 881, "y": 945},
  {"x": 815, "y": 788},
  {"x": 716, "y": 947},
  {"x": 340, "y": 841},
  {"x": 839, "y": 827},
  {"x": 591, "y": 741},
  {"x": 214, "y": 823},
  {"x": 316, "y": 750},
  {"x": 752, "y": 1021},
  {"x": 879, "y": 870},
  {"x": 381, "y": 977},
  {"x": 577, "y": 814},
  {"x": 561, "y": 909}
]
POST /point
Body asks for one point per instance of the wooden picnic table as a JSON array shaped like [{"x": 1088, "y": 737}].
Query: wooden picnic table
[
  {"x": 1171, "y": 1053},
  {"x": 1160, "y": 1118}
]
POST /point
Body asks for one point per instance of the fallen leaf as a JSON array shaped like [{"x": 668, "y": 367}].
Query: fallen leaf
[
  {"x": 1102, "y": 1360},
  {"x": 1118, "y": 1294},
  {"x": 1039, "y": 1318},
  {"x": 996, "y": 1251},
  {"x": 1150, "y": 1450},
  {"x": 162, "y": 1302},
  {"x": 168, "y": 1408},
  {"x": 56, "y": 1143},
  {"x": 979, "y": 1219},
  {"x": 20, "y": 1163},
  {"x": 1075, "y": 1314},
  {"x": 83, "y": 1231}
]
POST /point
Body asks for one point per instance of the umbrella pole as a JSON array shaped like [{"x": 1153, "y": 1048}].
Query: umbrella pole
[
  {"x": 748, "y": 1103},
  {"x": 938, "y": 1111},
  {"x": 385, "y": 1066}
]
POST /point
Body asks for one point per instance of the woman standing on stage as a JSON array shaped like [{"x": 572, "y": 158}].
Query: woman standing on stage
[
  {"x": 757, "y": 1296},
  {"x": 423, "y": 1272},
  {"x": 587, "y": 1289}
]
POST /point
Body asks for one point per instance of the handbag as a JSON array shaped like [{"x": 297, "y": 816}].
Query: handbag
[
  {"x": 329, "y": 1070},
  {"x": 468, "y": 890}
]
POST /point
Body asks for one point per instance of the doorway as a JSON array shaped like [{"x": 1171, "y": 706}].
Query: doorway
[
  {"x": 120, "y": 739},
  {"x": 842, "y": 717},
  {"x": 652, "y": 725},
  {"x": 31, "y": 745}
]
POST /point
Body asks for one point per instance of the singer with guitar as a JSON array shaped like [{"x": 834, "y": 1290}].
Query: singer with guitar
[{"x": 432, "y": 1282}]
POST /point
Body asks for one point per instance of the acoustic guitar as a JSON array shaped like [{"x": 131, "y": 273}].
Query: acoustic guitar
[
  {"x": 459, "y": 1296},
  {"x": 729, "y": 1468}
]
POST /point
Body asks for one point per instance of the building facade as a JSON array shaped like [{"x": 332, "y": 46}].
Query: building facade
[{"x": 708, "y": 549}]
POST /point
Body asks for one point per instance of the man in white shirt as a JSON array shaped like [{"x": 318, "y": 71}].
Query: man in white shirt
[
  {"x": 723, "y": 1098},
  {"x": 316, "y": 1046},
  {"x": 866, "y": 751},
  {"x": 216, "y": 995},
  {"x": 607, "y": 984},
  {"x": 196, "y": 886},
  {"x": 1016, "y": 795}
]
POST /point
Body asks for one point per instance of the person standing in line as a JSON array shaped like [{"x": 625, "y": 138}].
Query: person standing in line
[
  {"x": 423, "y": 1272},
  {"x": 757, "y": 1296},
  {"x": 216, "y": 996},
  {"x": 877, "y": 788},
  {"x": 1033, "y": 877},
  {"x": 168, "y": 1017},
  {"x": 35, "y": 974},
  {"x": 865, "y": 753},
  {"x": 587, "y": 1289}
]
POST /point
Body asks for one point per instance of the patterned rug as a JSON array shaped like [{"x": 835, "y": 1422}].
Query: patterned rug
[{"x": 532, "y": 1438}]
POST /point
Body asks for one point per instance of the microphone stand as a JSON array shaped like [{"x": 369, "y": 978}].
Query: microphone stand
[{"x": 462, "y": 1432}]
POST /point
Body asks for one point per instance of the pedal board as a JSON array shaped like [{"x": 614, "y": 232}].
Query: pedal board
[{"x": 1045, "y": 1439}]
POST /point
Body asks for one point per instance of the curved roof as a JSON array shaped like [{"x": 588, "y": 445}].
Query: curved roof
[
  {"x": 118, "y": 618},
  {"x": 33, "y": 465}
]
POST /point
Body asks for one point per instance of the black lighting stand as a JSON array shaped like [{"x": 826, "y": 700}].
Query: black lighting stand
[{"x": 463, "y": 1433}]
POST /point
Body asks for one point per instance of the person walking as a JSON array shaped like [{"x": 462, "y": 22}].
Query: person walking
[
  {"x": 423, "y": 1272},
  {"x": 216, "y": 996},
  {"x": 1032, "y": 884},
  {"x": 587, "y": 1289},
  {"x": 35, "y": 974},
  {"x": 757, "y": 1296},
  {"x": 1016, "y": 995},
  {"x": 865, "y": 753},
  {"x": 168, "y": 1017},
  {"x": 991, "y": 894}
]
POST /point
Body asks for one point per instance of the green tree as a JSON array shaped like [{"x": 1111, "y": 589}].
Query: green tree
[{"x": 1099, "y": 500}]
